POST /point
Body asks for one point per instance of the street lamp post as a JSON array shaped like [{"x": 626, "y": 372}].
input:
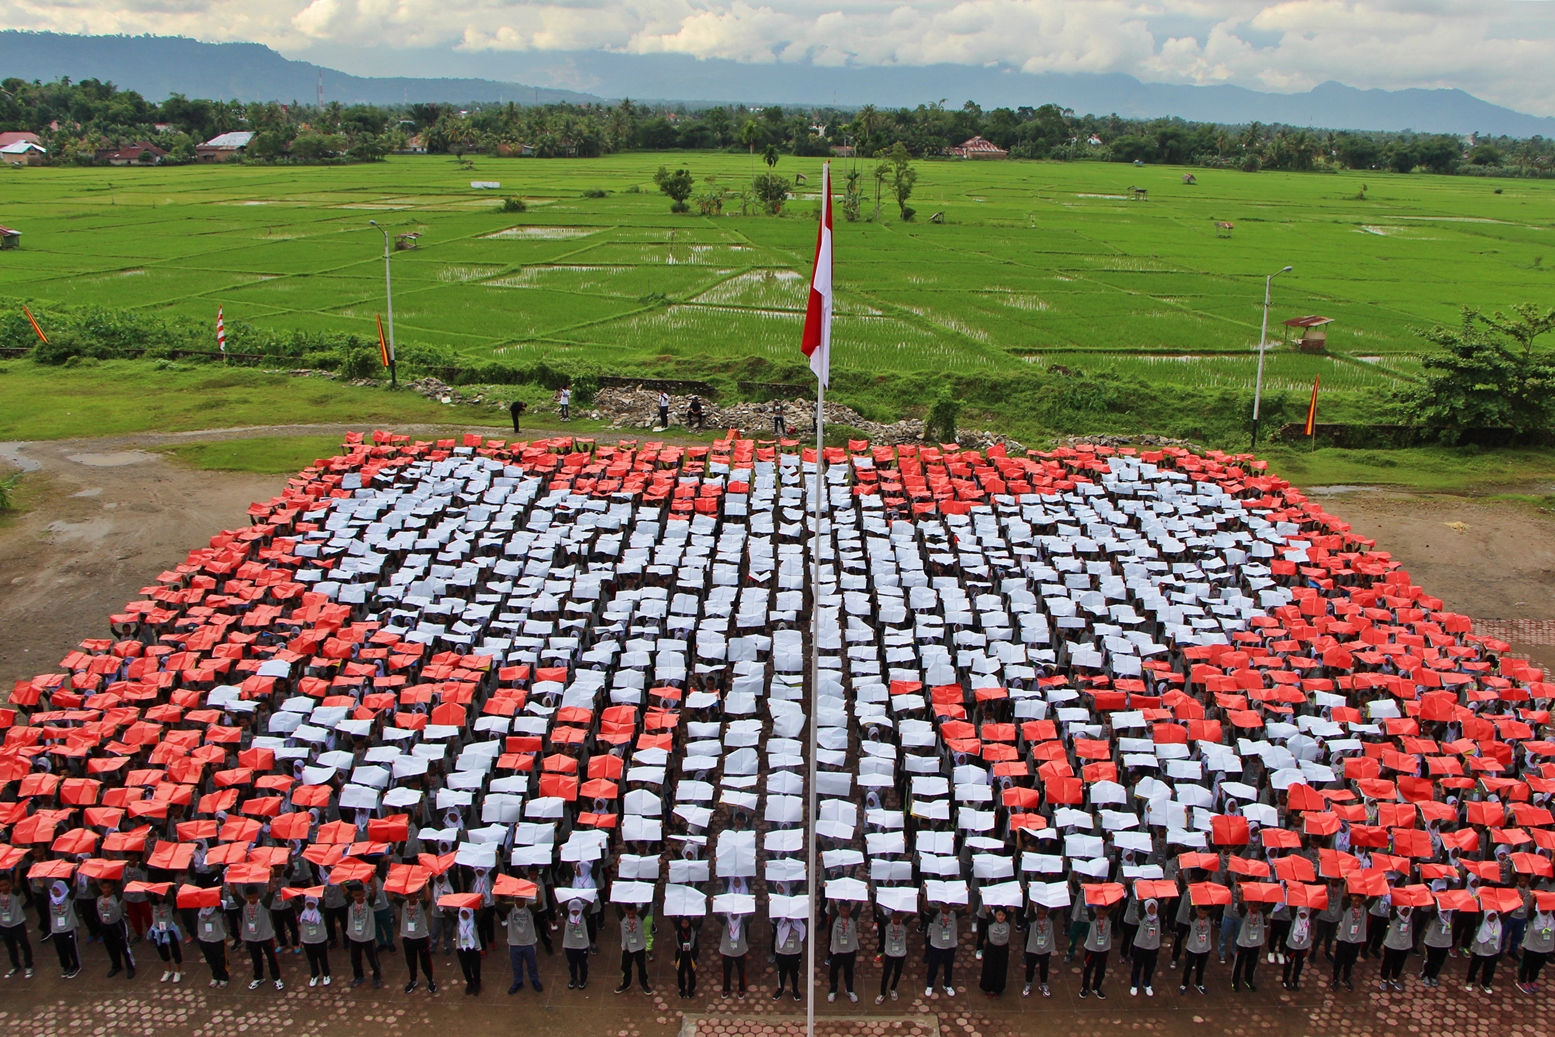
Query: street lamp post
[
  {"x": 1263, "y": 339},
  {"x": 388, "y": 291}
]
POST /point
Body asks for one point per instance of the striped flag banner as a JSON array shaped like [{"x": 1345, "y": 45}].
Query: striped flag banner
[
  {"x": 816, "y": 340},
  {"x": 221, "y": 332},
  {"x": 383, "y": 343},
  {"x": 34, "y": 323},
  {"x": 1312, "y": 408}
]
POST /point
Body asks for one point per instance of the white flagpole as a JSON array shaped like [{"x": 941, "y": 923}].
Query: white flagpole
[{"x": 816, "y": 540}]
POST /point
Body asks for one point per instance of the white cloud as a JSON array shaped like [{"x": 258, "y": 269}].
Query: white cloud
[{"x": 1497, "y": 49}]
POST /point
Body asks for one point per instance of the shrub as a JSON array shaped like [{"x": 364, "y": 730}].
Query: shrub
[
  {"x": 595, "y": 192},
  {"x": 771, "y": 190},
  {"x": 513, "y": 205}
]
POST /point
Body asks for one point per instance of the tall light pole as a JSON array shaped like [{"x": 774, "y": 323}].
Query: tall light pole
[
  {"x": 388, "y": 291},
  {"x": 1263, "y": 339}
]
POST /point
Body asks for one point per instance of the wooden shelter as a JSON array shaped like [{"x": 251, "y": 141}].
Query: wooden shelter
[{"x": 1314, "y": 336}]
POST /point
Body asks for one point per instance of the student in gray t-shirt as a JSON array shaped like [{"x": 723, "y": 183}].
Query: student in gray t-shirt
[
  {"x": 634, "y": 950},
  {"x": 519, "y": 917}
]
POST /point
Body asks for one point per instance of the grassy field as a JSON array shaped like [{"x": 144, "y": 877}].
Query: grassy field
[{"x": 1036, "y": 261}]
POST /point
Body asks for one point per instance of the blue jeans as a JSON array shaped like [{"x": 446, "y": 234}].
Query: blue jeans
[
  {"x": 1512, "y": 934},
  {"x": 517, "y": 956},
  {"x": 1230, "y": 926}
]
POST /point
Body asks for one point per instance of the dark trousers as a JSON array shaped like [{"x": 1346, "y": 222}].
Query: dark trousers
[
  {"x": 890, "y": 975},
  {"x": 578, "y": 965},
  {"x": 17, "y": 945},
  {"x": 470, "y": 963},
  {"x": 260, "y": 952},
  {"x": 1143, "y": 971},
  {"x": 65, "y": 945},
  {"x": 1375, "y": 935},
  {"x": 1323, "y": 936},
  {"x": 1435, "y": 957},
  {"x": 788, "y": 970},
  {"x": 1036, "y": 962},
  {"x": 116, "y": 940},
  {"x": 215, "y": 952},
  {"x": 418, "y": 949},
  {"x": 369, "y": 949},
  {"x": 168, "y": 950},
  {"x": 1246, "y": 965},
  {"x": 686, "y": 973},
  {"x": 732, "y": 963},
  {"x": 1095, "y": 965},
  {"x": 1485, "y": 965},
  {"x": 638, "y": 958},
  {"x": 941, "y": 958},
  {"x": 1344, "y": 959},
  {"x": 318, "y": 958},
  {"x": 517, "y": 957},
  {"x": 86, "y": 910},
  {"x": 1195, "y": 968},
  {"x": 1293, "y": 962},
  {"x": 285, "y": 925},
  {"x": 1393, "y": 962},
  {"x": 1527, "y": 972},
  {"x": 843, "y": 961},
  {"x": 333, "y": 917}
]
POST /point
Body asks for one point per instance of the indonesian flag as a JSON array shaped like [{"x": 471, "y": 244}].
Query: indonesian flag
[
  {"x": 817, "y": 319},
  {"x": 221, "y": 331}
]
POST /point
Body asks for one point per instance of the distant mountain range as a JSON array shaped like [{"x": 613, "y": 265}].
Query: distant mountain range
[{"x": 157, "y": 66}]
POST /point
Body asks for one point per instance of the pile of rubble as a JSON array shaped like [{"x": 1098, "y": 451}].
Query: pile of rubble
[{"x": 1145, "y": 439}]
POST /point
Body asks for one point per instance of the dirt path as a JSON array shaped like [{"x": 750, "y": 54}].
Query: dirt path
[{"x": 105, "y": 516}]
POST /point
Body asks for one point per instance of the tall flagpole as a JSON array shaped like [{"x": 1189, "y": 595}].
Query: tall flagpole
[
  {"x": 816, "y": 540},
  {"x": 816, "y": 343}
]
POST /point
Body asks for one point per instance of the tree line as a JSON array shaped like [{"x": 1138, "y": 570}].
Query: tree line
[{"x": 76, "y": 120}]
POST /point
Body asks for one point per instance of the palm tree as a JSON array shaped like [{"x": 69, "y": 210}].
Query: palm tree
[{"x": 770, "y": 156}]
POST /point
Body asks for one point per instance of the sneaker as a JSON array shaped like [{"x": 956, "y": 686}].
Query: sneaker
[
  {"x": 1236, "y": 987},
  {"x": 1099, "y": 995},
  {"x": 129, "y": 973},
  {"x": 1485, "y": 990},
  {"x": 1386, "y": 986},
  {"x": 1133, "y": 991},
  {"x": 377, "y": 984},
  {"x": 1025, "y": 991},
  {"x": 178, "y": 977},
  {"x": 778, "y": 996},
  {"x": 831, "y": 996},
  {"x": 950, "y": 991},
  {"x": 73, "y": 973},
  {"x": 572, "y": 984},
  {"x": 280, "y": 986},
  {"x": 515, "y": 988},
  {"x": 535, "y": 984},
  {"x": 313, "y": 981},
  {"x": 1046, "y": 991},
  {"x": 1252, "y": 988},
  {"x": 1468, "y": 988},
  {"x": 1084, "y": 993},
  {"x": 412, "y": 985},
  {"x": 978, "y": 955},
  {"x": 879, "y": 999},
  {"x": 167, "y": 974},
  {"x": 213, "y": 983},
  {"x": 798, "y": 998},
  {"x": 254, "y": 984},
  {"x": 432, "y": 986},
  {"x": 741, "y": 995},
  {"x": 928, "y": 991},
  {"x": 358, "y": 981},
  {"x": 27, "y": 974},
  {"x": 852, "y": 997},
  {"x": 1150, "y": 991},
  {"x": 724, "y": 995},
  {"x": 623, "y": 988},
  {"x": 1349, "y": 986},
  {"x": 1199, "y": 987},
  {"x": 1525, "y": 988},
  {"x": 326, "y": 981},
  {"x": 114, "y": 971},
  {"x": 1183, "y": 990}
]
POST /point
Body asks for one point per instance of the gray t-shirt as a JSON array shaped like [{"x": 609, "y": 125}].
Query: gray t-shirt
[
  {"x": 254, "y": 922},
  {"x": 414, "y": 924},
  {"x": 894, "y": 939},
  {"x": 1039, "y": 936},
  {"x": 1251, "y": 934},
  {"x": 361, "y": 926},
  {"x": 1198, "y": 936},
  {"x": 1099, "y": 938},
  {"x": 1148, "y": 938},
  {"x": 1401, "y": 933},
  {"x": 633, "y": 938},
  {"x": 521, "y": 927},
  {"x": 942, "y": 931},
  {"x": 999, "y": 933},
  {"x": 736, "y": 945},
  {"x": 844, "y": 936}
]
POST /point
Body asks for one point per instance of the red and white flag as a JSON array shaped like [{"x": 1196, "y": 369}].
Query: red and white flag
[
  {"x": 817, "y": 319},
  {"x": 221, "y": 331}
]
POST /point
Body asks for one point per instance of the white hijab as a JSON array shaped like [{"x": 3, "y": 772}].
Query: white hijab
[
  {"x": 1302, "y": 925},
  {"x": 1489, "y": 929},
  {"x": 467, "y": 938},
  {"x": 784, "y": 927},
  {"x": 310, "y": 913}
]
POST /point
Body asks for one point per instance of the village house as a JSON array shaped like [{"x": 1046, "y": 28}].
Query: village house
[
  {"x": 22, "y": 152},
  {"x": 228, "y": 147},
  {"x": 141, "y": 154},
  {"x": 977, "y": 147}
]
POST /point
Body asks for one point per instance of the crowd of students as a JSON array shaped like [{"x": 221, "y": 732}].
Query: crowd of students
[{"x": 1079, "y": 701}]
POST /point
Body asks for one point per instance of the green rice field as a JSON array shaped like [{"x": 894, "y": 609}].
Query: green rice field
[{"x": 1035, "y": 262}]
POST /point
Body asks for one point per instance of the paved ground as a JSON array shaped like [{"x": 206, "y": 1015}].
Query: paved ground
[{"x": 48, "y": 1006}]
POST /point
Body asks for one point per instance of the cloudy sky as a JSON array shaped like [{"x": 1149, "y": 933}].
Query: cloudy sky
[{"x": 1500, "y": 50}]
